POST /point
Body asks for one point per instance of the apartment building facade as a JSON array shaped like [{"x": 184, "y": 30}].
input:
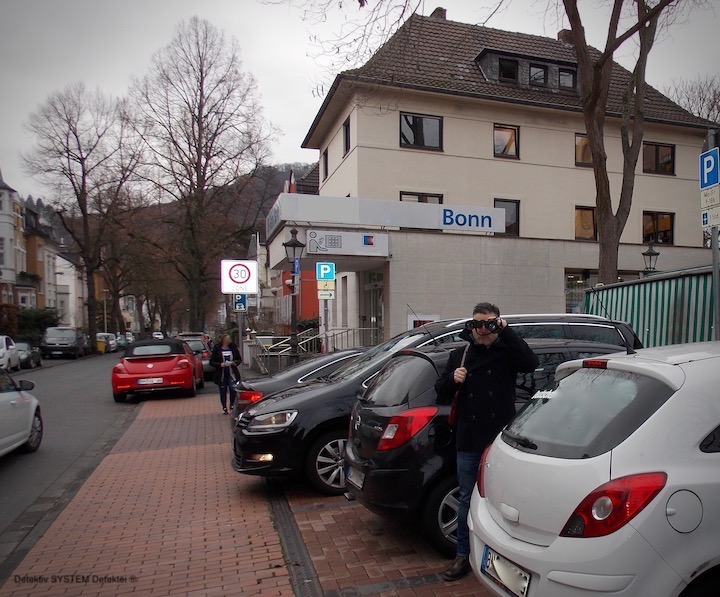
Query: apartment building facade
[{"x": 472, "y": 118}]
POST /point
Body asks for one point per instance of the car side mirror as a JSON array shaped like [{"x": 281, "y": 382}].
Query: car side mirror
[{"x": 26, "y": 385}]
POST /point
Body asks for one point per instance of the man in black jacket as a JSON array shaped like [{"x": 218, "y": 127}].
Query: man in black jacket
[{"x": 484, "y": 377}]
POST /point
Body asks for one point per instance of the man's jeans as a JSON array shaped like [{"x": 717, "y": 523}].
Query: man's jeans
[{"x": 467, "y": 470}]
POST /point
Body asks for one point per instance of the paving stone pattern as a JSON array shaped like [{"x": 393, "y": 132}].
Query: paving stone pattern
[{"x": 165, "y": 514}]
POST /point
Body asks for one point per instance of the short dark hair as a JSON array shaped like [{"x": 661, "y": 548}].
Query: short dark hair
[{"x": 486, "y": 309}]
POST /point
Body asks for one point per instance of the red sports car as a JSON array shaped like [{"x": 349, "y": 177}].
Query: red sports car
[{"x": 154, "y": 365}]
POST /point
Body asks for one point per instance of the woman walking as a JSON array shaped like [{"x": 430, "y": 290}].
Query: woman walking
[{"x": 225, "y": 358}]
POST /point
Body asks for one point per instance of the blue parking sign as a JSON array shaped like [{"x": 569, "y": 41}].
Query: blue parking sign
[
  {"x": 709, "y": 168},
  {"x": 325, "y": 271},
  {"x": 240, "y": 303}
]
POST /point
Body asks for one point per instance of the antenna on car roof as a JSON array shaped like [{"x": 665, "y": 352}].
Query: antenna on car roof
[
  {"x": 417, "y": 317},
  {"x": 628, "y": 348}
]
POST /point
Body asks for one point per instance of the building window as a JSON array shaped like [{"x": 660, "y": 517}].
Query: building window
[
  {"x": 508, "y": 70},
  {"x": 538, "y": 74},
  {"x": 506, "y": 141},
  {"x": 512, "y": 216},
  {"x": 583, "y": 157},
  {"x": 658, "y": 227},
  {"x": 324, "y": 165},
  {"x": 346, "y": 137},
  {"x": 567, "y": 78},
  {"x": 420, "y": 132},
  {"x": 658, "y": 159},
  {"x": 433, "y": 198},
  {"x": 585, "y": 228},
  {"x": 2, "y": 251}
]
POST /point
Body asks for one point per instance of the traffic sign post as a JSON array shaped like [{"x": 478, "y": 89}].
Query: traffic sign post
[
  {"x": 709, "y": 167},
  {"x": 325, "y": 271},
  {"x": 238, "y": 277},
  {"x": 240, "y": 303}
]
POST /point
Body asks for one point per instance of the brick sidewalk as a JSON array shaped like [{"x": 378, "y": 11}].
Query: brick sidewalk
[{"x": 165, "y": 514}]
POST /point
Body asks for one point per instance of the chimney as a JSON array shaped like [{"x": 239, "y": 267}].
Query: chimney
[
  {"x": 565, "y": 36},
  {"x": 439, "y": 13}
]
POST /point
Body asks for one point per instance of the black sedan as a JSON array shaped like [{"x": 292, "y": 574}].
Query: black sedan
[
  {"x": 252, "y": 390},
  {"x": 302, "y": 431},
  {"x": 400, "y": 456},
  {"x": 30, "y": 356}
]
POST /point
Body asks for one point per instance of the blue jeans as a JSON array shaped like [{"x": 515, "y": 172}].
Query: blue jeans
[
  {"x": 226, "y": 387},
  {"x": 467, "y": 470}
]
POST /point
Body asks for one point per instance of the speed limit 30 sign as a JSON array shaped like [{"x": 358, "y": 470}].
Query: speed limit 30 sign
[{"x": 238, "y": 277}]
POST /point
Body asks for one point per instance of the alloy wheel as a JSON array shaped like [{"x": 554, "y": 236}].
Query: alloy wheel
[
  {"x": 447, "y": 515},
  {"x": 330, "y": 463}
]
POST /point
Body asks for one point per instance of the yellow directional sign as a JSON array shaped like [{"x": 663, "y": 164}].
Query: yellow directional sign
[{"x": 326, "y": 285}]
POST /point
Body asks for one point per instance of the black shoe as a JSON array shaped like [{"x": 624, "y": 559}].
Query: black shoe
[
  {"x": 459, "y": 568},
  {"x": 224, "y": 411}
]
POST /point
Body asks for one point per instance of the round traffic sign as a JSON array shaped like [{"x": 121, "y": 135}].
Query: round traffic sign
[{"x": 239, "y": 273}]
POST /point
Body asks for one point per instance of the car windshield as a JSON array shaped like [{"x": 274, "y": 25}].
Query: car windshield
[
  {"x": 375, "y": 355},
  {"x": 196, "y": 345},
  {"x": 586, "y": 414},
  {"x": 400, "y": 381},
  {"x": 60, "y": 333},
  {"x": 22, "y": 346},
  {"x": 152, "y": 350}
]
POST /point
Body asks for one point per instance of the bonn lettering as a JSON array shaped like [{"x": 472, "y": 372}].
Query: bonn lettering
[{"x": 450, "y": 218}]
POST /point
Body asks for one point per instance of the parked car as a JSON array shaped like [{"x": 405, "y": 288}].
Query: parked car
[
  {"x": 202, "y": 351},
  {"x": 156, "y": 365},
  {"x": 400, "y": 456},
  {"x": 302, "y": 373},
  {"x": 202, "y": 335},
  {"x": 64, "y": 341},
  {"x": 30, "y": 356},
  {"x": 21, "y": 424},
  {"x": 129, "y": 337},
  {"x": 302, "y": 431},
  {"x": 158, "y": 335},
  {"x": 111, "y": 343},
  {"x": 121, "y": 341},
  {"x": 607, "y": 482},
  {"x": 9, "y": 355}
]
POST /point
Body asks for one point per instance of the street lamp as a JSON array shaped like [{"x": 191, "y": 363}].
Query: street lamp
[
  {"x": 650, "y": 256},
  {"x": 293, "y": 252}
]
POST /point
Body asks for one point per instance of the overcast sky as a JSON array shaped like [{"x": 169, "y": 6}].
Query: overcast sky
[{"x": 46, "y": 45}]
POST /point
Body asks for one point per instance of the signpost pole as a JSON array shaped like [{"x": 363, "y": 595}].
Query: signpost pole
[{"x": 716, "y": 282}]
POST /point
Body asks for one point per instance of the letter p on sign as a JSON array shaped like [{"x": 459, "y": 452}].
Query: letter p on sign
[
  {"x": 709, "y": 168},
  {"x": 325, "y": 271}
]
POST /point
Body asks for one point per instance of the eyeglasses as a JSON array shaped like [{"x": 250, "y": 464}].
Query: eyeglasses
[{"x": 477, "y": 324}]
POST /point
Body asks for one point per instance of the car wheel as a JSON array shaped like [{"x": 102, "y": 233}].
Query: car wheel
[
  {"x": 119, "y": 397},
  {"x": 201, "y": 382},
  {"x": 36, "y": 433},
  {"x": 706, "y": 584},
  {"x": 192, "y": 392},
  {"x": 39, "y": 363},
  {"x": 325, "y": 463},
  {"x": 440, "y": 515}
]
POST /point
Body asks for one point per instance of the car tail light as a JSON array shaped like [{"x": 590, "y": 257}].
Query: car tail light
[
  {"x": 182, "y": 364},
  {"x": 613, "y": 504},
  {"x": 205, "y": 354},
  {"x": 403, "y": 427},
  {"x": 481, "y": 471},
  {"x": 595, "y": 364},
  {"x": 119, "y": 368},
  {"x": 250, "y": 396}
]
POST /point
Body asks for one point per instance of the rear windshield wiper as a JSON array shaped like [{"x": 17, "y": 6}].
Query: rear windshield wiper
[{"x": 520, "y": 440}]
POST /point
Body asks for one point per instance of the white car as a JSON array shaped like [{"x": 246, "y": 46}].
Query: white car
[
  {"x": 158, "y": 335},
  {"x": 607, "y": 482},
  {"x": 21, "y": 424},
  {"x": 9, "y": 354}
]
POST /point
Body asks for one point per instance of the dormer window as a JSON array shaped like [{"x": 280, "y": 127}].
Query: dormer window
[
  {"x": 508, "y": 70},
  {"x": 538, "y": 75},
  {"x": 567, "y": 78}
]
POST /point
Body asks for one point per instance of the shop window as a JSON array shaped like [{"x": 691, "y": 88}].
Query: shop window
[
  {"x": 567, "y": 78},
  {"x": 506, "y": 141},
  {"x": 508, "y": 70},
  {"x": 420, "y": 132},
  {"x": 432, "y": 198},
  {"x": 585, "y": 228},
  {"x": 538, "y": 75},
  {"x": 658, "y": 159},
  {"x": 658, "y": 227},
  {"x": 583, "y": 156},
  {"x": 512, "y": 216}
]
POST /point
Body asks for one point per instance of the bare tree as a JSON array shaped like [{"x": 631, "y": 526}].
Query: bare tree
[
  {"x": 700, "y": 96},
  {"x": 85, "y": 153},
  {"x": 201, "y": 119},
  {"x": 636, "y": 20}
]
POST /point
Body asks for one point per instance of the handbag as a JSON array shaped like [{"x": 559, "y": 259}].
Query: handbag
[{"x": 452, "y": 417}]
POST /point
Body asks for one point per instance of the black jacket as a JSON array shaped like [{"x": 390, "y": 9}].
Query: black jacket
[
  {"x": 216, "y": 360},
  {"x": 486, "y": 401}
]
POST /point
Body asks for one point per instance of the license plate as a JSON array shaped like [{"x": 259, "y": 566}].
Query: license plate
[
  {"x": 355, "y": 478},
  {"x": 57, "y": 352},
  {"x": 149, "y": 380},
  {"x": 509, "y": 576}
]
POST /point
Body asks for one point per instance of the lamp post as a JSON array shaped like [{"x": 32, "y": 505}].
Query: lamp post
[
  {"x": 293, "y": 252},
  {"x": 650, "y": 256}
]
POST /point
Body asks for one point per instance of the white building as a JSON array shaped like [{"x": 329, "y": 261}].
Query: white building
[{"x": 473, "y": 119}]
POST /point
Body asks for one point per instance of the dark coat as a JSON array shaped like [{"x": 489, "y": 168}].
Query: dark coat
[
  {"x": 486, "y": 400},
  {"x": 216, "y": 360}
]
